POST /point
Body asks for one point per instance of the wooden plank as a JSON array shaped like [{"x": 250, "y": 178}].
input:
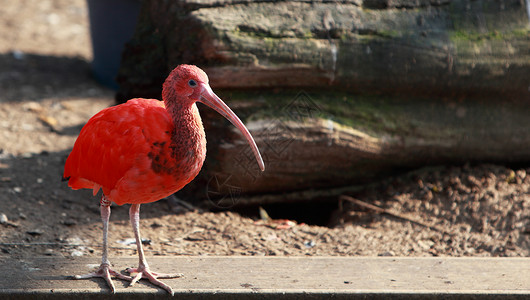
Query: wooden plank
[{"x": 285, "y": 277}]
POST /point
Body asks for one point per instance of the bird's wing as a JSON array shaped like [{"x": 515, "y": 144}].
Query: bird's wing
[{"x": 114, "y": 141}]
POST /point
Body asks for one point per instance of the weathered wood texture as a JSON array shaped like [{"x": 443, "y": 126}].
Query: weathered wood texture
[
  {"x": 432, "y": 56},
  {"x": 347, "y": 140},
  {"x": 278, "y": 278},
  {"x": 445, "y": 46}
]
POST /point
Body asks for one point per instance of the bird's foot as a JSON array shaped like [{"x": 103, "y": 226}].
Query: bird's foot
[
  {"x": 145, "y": 272},
  {"x": 104, "y": 271}
]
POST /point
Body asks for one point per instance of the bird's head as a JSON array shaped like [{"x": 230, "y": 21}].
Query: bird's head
[
  {"x": 190, "y": 84},
  {"x": 184, "y": 81}
]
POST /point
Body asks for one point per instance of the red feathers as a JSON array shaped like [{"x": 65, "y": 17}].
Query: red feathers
[
  {"x": 145, "y": 150},
  {"x": 128, "y": 151}
]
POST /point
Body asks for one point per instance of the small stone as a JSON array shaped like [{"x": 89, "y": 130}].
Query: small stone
[
  {"x": 27, "y": 127},
  {"x": 75, "y": 240},
  {"x": 49, "y": 121},
  {"x": 3, "y": 218},
  {"x": 35, "y": 232},
  {"x": 69, "y": 222},
  {"x": 129, "y": 241},
  {"x": 425, "y": 245},
  {"x": 18, "y": 55},
  {"x": 309, "y": 244},
  {"x": 5, "y": 221},
  {"x": 521, "y": 176},
  {"x": 155, "y": 225},
  {"x": 387, "y": 253},
  {"x": 49, "y": 252},
  {"x": 132, "y": 241},
  {"x": 32, "y": 106},
  {"x": 77, "y": 253}
]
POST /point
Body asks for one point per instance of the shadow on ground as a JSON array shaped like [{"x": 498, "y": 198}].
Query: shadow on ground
[{"x": 26, "y": 76}]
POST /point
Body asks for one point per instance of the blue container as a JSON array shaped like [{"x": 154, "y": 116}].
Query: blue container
[{"x": 112, "y": 24}]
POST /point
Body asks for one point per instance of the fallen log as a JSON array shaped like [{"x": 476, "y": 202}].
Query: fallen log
[
  {"x": 322, "y": 140},
  {"x": 438, "y": 47},
  {"x": 340, "y": 93}
]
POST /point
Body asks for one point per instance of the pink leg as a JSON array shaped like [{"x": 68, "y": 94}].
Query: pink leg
[
  {"x": 104, "y": 269},
  {"x": 143, "y": 270}
]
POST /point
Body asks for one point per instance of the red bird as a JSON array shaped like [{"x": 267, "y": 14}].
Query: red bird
[{"x": 144, "y": 150}]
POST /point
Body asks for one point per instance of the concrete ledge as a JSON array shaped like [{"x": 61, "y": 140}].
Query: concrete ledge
[{"x": 278, "y": 278}]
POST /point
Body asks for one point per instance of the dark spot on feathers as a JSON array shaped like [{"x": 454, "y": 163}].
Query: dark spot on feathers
[
  {"x": 65, "y": 178},
  {"x": 159, "y": 160}
]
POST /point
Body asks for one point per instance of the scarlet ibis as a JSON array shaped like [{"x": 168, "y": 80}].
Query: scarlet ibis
[{"x": 142, "y": 151}]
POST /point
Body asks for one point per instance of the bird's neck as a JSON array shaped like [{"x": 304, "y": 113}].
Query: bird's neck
[
  {"x": 188, "y": 124},
  {"x": 188, "y": 138}
]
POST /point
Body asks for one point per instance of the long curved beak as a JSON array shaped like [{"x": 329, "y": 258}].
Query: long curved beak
[{"x": 209, "y": 98}]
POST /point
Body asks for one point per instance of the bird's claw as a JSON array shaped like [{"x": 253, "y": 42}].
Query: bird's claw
[
  {"x": 144, "y": 272},
  {"x": 104, "y": 271}
]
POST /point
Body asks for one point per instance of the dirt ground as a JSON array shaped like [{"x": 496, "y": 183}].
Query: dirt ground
[{"x": 47, "y": 94}]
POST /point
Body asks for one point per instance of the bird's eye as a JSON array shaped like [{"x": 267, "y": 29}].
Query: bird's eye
[{"x": 192, "y": 83}]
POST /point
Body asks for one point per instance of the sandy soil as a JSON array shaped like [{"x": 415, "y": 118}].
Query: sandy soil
[{"x": 47, "y": 94}]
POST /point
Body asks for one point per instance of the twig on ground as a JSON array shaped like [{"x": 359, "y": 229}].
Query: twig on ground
[
  {"x": 178, "y": 206},
  {"x": 391, "y": 213}
]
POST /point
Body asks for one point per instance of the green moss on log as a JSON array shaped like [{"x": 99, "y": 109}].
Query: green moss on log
[
  {"x": 377, "y": 116},
  {"x": 472, "y": 36}
]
